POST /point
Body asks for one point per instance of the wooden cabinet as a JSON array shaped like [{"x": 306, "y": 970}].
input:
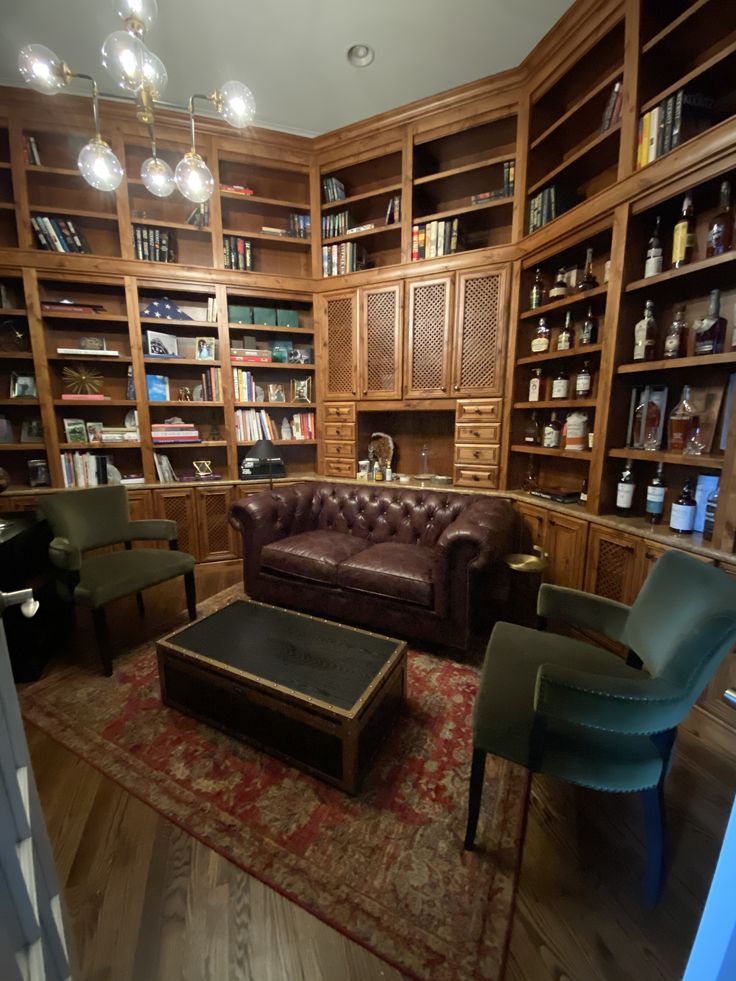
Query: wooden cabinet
[
  {"x": 648, "y": 553},
  {"x": 534, "y": 520},
  {"x": 612, "y": 564},
  {"x": 480, "y": 325},
  {"x": 217, "y": 540},
  {"x": 178, "y": 504},
  {"x": 380, "y": 342},
  {"x": 140, "y": 506},
  {"x": 477, "y": 449},
  {"x": 339, "y": 440},
  {"x": 428, "y": 356},
  {"x": 339, "y": 375},
  {"x": 565, "y": 542}
]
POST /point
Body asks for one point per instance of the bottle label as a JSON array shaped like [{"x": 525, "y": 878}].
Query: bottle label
[
  {"x": 681, "y": 240},
  {"x": 534, "y": 389},
  {"x": 655, "y": 500},
  {"x": 624, "y": 495},
  {"x": 682, "y": 517},
  {"x": 540, "y": 345},
  {"x": 671, "y": 345},
  {"x": 552, "y": 437},
  {"x": 557, "y": 291},
  {"x": 704, "y": 347},
  {"x": 560, "y": 388},
  {"x": 586, "y": 335},
  {"x": 582, "y": 385},
  {"x": 653, "y": 265},
  {"x": 563, "y": 342}
]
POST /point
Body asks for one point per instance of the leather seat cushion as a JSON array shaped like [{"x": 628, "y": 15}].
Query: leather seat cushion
[
  {"x": 313, "y": 555},
  {"x": 402, "y": 572}
]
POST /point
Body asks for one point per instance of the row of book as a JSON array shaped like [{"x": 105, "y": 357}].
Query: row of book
[
  {"x": 164, "y": 470},
  {"x": 676, "y": 119},
  {"x": 612, "y": 112},
  {"x": 335, "y": 223},
  {"x": 83, "y": 469},
  {"x": 343, "y": 257},
  {"x": 154, "y": 244},
  {"x": 158, "y": 387},
  {"x": 549, "y": 204},
  {"x": 299, "y": 226},
  {"x": 254, "y": 424},
  {"x": 174, "y": 432},
  {"x": 436, "y": 238},
  {"x": 58, "y": 234},
  {"x": 244, "y": 385},
  {"x": 238, "y": 253},
  {"x": 30, "y": 151},
  {"x": 333, "y": 189}
]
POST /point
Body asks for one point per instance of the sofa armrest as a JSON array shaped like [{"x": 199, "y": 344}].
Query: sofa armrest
[
  {"x": 152, "y": 530},
  {"x": 262, "y": 518},
  {"x": 581, "y": 609}
]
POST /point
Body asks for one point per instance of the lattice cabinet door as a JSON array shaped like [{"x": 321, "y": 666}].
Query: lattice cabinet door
[
  {"x": 178, "y": 504},
  {"x": 428, "y": 357},
  {"x": 217, "y": 540},
  {"x": 339, "y": 351},
  {"x": 481, "y": 323},
  {"x": 612, "y": 564},
  {"x": 380, "y": 342}
]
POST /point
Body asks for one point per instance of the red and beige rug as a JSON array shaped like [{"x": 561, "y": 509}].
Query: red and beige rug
[{"x": 386, "y": 868}]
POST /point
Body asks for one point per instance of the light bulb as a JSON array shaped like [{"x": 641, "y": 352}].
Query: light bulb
[
  {"x": 144, "y": 11},
  {"x": 155, "y": 75},
  {"x": 99, "y": 166},
  {"x": 238, "y": 104},
  {"x": 158, "y": 177},
  {"x": 193, "y": 178},
  {"x": 42, "y": 69},
  {"x": 124, "y": 56}
]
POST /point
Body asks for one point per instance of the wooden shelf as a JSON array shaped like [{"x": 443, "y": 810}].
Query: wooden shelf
[
  {"x": 575, "y": 352},
  {"x": 70, "y": 403},
  {"x": 119, "y": 318},
  {"x": 293, "y": 240},
  {"x": 19, "y": 402},
  {"x": 595, "y": 141},
  {"x": 673, "y": 25},
  {"x": 265, "y": 329},
  {"x": 193, "y": 445},
  {"x": 605, "y": 83},
  {"x": 56, "y": 171},
  {"x": 7, "y": 206},
  {"x": 564, "y": 303},
  {"x": 690, "y": 270},
  {"x": 275, "y": 405},
  {"x": 396, "y": 227},
  {"x": 669, "y": 364},
  {"x": 465, "y": 169},
  {"x": 386, "y": 189},
  {"x": 124, "y": 444},
  {"x": 191, "y": 404},
  {"x": 151, "y": 359},
  {"x": 271, "y": 202},
  {"x": 31, "y": 447},
  {"x": 47, "y": 209},
  {"x": 558, "y": 404},
  {"x": 547, "y": 451},
  {"x": 254, "y": 366},
  {"x": 456, "y": 212},
  {"x": 685, "y": 80},
  {"x": 99, "y": 358},
  {"x": 280, "y": 442},
  {"x": 13, "y": 312},
  {"x": 16, "y": 355},
  {"x": 706, "y": 461},
  {"x": 159, "y": 321},
  {"x": 183, "y": 226}
]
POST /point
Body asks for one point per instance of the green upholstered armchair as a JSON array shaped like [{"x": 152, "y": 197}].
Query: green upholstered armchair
[
  {"x": 575, "y": 711},
  {"x": 94, "y": 518}
]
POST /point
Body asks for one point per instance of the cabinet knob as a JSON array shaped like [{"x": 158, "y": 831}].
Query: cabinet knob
[
  {"x": 457, "y": 388},
  {"x": 444, "y": 388},
  {"x": 365, "y": 391},
  {"x": 476, "y": 454},
  {"x": 474, "y": 432}
]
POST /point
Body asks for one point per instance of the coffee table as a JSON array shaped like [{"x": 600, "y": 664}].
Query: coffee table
[{"x": 315, "y": 693}]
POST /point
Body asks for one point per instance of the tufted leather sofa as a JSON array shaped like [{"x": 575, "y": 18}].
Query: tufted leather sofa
[{"x": 395, "y": 560}]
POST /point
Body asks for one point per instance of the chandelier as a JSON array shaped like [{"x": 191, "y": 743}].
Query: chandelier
[{"x": 141, "y": 73}]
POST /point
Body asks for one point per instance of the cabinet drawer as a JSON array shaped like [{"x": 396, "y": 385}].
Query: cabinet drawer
[
  {"x": 333, "y": 448},
  {"x": 482, "y": 477},
  {"x": 479, "y": 433},
  {"x": 477, "y": 454},
  {"x": 340, "y": 411},
  {"x": 339, "y": 430},
  {"x": 339, "y": 468},
  {"x": 486, "y": 411}
]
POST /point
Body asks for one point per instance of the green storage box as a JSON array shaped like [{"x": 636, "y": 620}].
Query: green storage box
[
  {"x": 265, "y": 316},
  {"x": 287, "y": 318},
  {"x": 240, "y": 315}
]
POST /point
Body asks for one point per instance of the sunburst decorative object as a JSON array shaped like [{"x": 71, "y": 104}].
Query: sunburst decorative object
[{"x": 83, "y": 380}]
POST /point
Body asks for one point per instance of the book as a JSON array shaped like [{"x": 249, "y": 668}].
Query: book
[
  {"x": 105, "y": 353},
  {"x": 72, "y": 397},
  {"x": 559, "y": 496}
]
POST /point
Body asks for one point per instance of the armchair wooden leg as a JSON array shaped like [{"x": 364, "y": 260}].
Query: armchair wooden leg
[
  {"x": 140, "y": 604},
  {"x": 191, "y": 591},
  {"x": 103, "y": 640},
  {"x": 656, "y": 860},
  {"x": 475, "y": 793}
]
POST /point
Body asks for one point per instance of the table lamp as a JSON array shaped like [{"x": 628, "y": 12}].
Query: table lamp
[{"x": 264, "y": 450}]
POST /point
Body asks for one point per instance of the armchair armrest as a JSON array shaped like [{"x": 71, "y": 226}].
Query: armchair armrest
[
  {"x": 153, "y": 529},
  {"x": 64, "y": 555},
  {"x": 584, "y": 610},
  {"x": 613, "y": 703}
]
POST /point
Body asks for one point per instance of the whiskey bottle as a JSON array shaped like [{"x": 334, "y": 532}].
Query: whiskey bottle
[
  {"x": 533, "y": 431},
  {"x": 625, "y": 490},
  {"x": 675, "y": 339},
  {"x": 565, "y": 338},
  {"x": 584, "y": 492},
  {"x": 552, "y": 436},
  {"x": 644, "y": 334},
  {"x": 535, "y": 385},
  {"x": 583, "y": 382},
  {"x": 680, "y": 423},
  {"x": 710, "y": 332},
  {"x": 683, "y": 238},
  {"x": 589, "y": 331},
  {"x": 530, "y": 481},
  {"x": 561, "y": 385},
  {"x": 653, "y": 264},
  {"x": 656, "y": 489},
  {"x": 538, "y": 292},
  {"x": 540, "y": 341},
  {"x": 711, "y": 506},
  {"x": 559, "y": 288},
  {"x": 682, "y": 515},
  {"x": 589, "y": 281},
  {"x": 720, "y": 233}
]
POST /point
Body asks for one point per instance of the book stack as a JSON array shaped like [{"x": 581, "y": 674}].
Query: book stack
[
  {"x": 174, "y": 432},
  {"x": 300, "y": 226},
  {"x": 676, "y": 119},
  {"x": 302, "y": 425},
  {"x": 254, "y": 424},
  {"x": 393, "y": 209},
  {"x": 118, "y": 434},
  {"x": 58, "y": 234},
  {"x": 236, "y": 189},
  {"x": 344, "y": 258},
  {"x": 335, "y": 223},
  {"x": 212, "y": 385},
  {"x": 251, "y": 355},
  {"x": 238, "y": 253},
  {"x": 164, "y": 470},
  {"x": 84, "y": 469},
  {"x": 436, "y": 238},
  {"x": 333, "y": 189},
  {"x": 612, "y": 112},
  {"x": 153, "y": 244},
  {"x": 549, "y": 204},
  {"x": 244, "y": 385}
]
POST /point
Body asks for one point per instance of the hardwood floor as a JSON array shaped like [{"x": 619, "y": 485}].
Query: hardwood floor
[{"x": 147, "y": 902}]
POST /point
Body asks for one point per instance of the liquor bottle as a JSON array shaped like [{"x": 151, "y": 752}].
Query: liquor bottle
[
  {"x": 559, "y": 288},
  {"x": 583, "y": 382},
  {"x": 675, "y": 338},
  {"x": 531, "y": 477},
  {"x": 656, "y": 489},
  {"x": 584, "y": 492},
  {"x": 720, "y": 233},
  {"x": 644, "y": 335},
  {"x": 589, "y": 332},
  {"x": 682, "y": 515},
  {"x": 533, "y": 431},
  {"x": 561, "y": 385},
  {"x": 566, "y": 336},
  {"x": 710, "y": 332},
  {"x": 538, "y": 292},
  {"x": 535, "y": 385},
  {"x": 680, "y": 423},
  {"x": 625, "y": 490},
  {"x": 683, "y": 238},
  {"x": 540, "y": 341},
  {"x": 589, "y": 281},
  {"x": 552, "y": 436},
  {"x": 711, "y": 506},
  {"x": 653, "y": 264}
]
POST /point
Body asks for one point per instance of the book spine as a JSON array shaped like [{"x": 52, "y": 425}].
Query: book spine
[
  {"x": 40, "y": 235},
  {"x": 677, "y": 119}
]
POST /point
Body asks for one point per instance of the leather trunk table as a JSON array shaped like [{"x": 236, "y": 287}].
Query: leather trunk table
[{"x": 318, "y": 694}]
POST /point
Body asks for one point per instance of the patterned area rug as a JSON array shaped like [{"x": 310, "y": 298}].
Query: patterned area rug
[{"x": 386, "y": 868}]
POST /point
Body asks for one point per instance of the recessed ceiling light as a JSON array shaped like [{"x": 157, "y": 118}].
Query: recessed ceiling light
[{"x": 361, "y": 55}]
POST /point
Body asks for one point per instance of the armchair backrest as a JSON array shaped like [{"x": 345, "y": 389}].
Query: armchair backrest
[
  {"x": 683, "y": 622},
  {"x": 89, "y": 518}
]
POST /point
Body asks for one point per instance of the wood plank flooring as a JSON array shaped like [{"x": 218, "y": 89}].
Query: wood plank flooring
[{"x": 147, "y": 902}]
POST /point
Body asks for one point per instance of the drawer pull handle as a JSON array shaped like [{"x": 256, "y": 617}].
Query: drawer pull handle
[
  {"x": 476, "y": 454},
  {"x": 474, "y": 432}
]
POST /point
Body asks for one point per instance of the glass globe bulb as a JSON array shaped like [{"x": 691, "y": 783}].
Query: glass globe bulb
[
  {"x": 144, "y": 11},
  {"x": 155, "y": 75},
  {"x": 124, "y": 56},
  {"x": 158, "y": 177},
  {"x": 41, "y": 69},
  {"x": 193, "y": 178},
  {"x": 99, "y": 166},
  {"x": 238, "y": 104}
]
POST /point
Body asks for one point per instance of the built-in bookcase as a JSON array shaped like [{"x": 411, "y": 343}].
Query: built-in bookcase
[
  {"x": 8, "y": 230},
  {"x": 21, "y": 435}
]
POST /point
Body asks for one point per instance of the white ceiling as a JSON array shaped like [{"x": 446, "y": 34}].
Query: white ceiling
[{"x": 292, "y": 53}]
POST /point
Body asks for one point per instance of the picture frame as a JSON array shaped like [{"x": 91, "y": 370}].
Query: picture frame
[
  {"x": 161, "y": 345},
  {"x": 75, "y": 431},
  {"x": 93, "y": 343},
  {"x": 301, "y": 390},
  {"x": 31, "y": 430},
  {"x": 23, "y": 386},
  {"x": 6, "y": 430},
  {"x": 706, "y": 400},
  {"x": 276, "y": 392},
  {"x": 94, "y": 432},
  {"x": 205, "y": 348}
]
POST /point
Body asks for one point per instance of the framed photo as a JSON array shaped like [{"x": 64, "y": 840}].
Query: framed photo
[
  {"x": 276, "y": 393},
  {"x": 31, "y": 431},
  {"x": 162, "y": 345},
  {"x": 6, "y": 430},
  {"x": 93, "y": 343},
  {"x": 706, "y": 400},
  {"x": 23, "y": 386},
  {"x": 301, "y": 389},
  {"x": 205, "y": 349},
  {"x": 75, "y": 431},
  {"x": 94, "y": 432}
]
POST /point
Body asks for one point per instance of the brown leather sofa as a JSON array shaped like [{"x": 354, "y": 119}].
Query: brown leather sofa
[{"x": 416, "y": 563}]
